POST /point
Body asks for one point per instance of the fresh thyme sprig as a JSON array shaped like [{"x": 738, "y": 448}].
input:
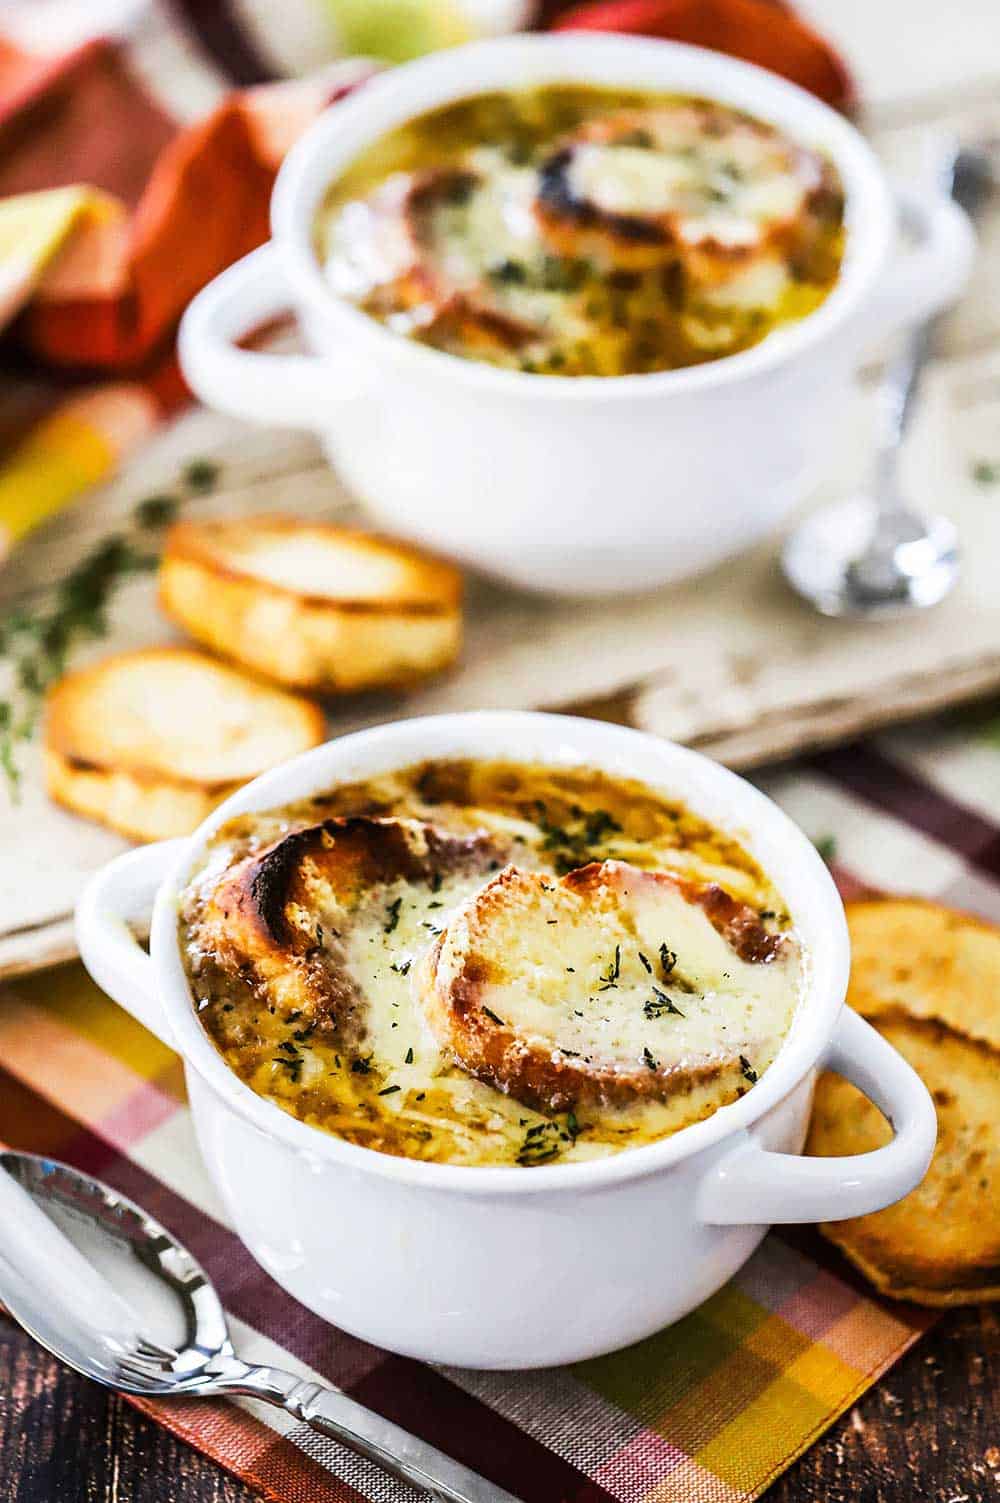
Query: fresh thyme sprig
[{"x": 36, "y": 640}]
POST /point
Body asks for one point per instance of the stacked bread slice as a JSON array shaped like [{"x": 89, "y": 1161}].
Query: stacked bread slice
[{"x": 149, "y": 742}]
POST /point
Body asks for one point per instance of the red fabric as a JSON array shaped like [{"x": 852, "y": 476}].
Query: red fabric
[
  {"x": 759, "y": 31},
  {"x": 198, "y": 196},
  {"x": 77, "y": 118}
]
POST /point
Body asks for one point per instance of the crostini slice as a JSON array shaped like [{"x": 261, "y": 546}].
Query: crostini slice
[
  {"x": 609, "y": 986},
  {"x": 149, "y": 742},
  {"x": 310, "y": 604},
  {"x": 689, "y": 181},
  {"x": 293, "y": 915},
  {"x": 939, "y": 1245}
]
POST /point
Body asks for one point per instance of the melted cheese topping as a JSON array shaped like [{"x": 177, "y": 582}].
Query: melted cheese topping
[
  {"x": 574, "y": 978},
  {"x": 392, "y": 1087}
]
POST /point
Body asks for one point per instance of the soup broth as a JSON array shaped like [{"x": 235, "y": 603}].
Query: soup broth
[
  {"x": 307, "y": 934},
  {"x": 576, "y": 231}
]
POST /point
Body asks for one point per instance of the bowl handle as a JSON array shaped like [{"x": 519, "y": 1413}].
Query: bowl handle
[
  {"x": 295, "y": 390},
  {"x": 119, "y": 894},
  {"x": 926, "y": 277},
  {"x": 752, "y": 1186}
]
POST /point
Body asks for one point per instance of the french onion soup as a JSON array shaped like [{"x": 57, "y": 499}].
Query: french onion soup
[
  {"x": 490, "y": 963},
  {"x": 580, "y": 231}
]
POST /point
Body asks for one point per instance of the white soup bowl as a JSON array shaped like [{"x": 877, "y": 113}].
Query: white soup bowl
[{"x": 505, "y": 1266}]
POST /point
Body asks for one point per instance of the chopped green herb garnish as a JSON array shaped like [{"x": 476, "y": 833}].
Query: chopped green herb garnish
[
  {"x": 749, "y": 1073},
  {"x": 401, "y": 970},
  {"x": 508, "y": 271},
  {"x": 362, "y": 1065},
  {"x": 293, "y": 1064},
  {"x": 609, "y": 978},
  {"x": 651, "y": 1063},
  {"x": 37, "y": 639},
  {"x": 409, "y": 1056},
  {"x": 389, "y": 1090},
  {"x": 156, "y": 511},
  {"x": 660, "y": 1005},
  {"x": 668, "y": 959},
  {"x": 201, "y": 475},
  {"x": 645, "y": 963},
  {"x": 434, "y": 928},
  {"x": 986, "y": 471},
  {"x": 393, "y": 918},
  {"x": 597, "y": 825},
  {"x": 492, "y": 1015}
]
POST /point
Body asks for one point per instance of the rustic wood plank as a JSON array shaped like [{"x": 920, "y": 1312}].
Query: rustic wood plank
[{"x": 929, "y": 1431}]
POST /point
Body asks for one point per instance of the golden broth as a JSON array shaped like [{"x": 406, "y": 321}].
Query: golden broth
[{"x": 392, "y": 1088}]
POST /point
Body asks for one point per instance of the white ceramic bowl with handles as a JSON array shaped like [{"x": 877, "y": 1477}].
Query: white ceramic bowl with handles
[
  {"x": 580, "y": 486},
  {"x": 518, "y": 1267}
]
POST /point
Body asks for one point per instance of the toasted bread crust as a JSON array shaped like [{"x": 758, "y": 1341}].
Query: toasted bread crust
[
  {"x": 107, "y": 757},
  {"x": 468, "y": 314},
  {"x": 939, "y": 1245},
  {"x": 577, "y": 226},
  {"x": 327, "y": 642},
  {"x": 915, "y": 956},
  {"x": 141, "y": 807},
  {"x": 263, "y": 917},
  {"x": 464, "y": 961}
]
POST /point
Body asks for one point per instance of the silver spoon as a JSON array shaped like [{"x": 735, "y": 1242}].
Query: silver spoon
[
  {"x": 108, "y": 1290},
  {"x": 874, "y": 555}
]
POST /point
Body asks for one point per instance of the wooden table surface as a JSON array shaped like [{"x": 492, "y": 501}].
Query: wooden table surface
[{"x": 928, "y": 1433}]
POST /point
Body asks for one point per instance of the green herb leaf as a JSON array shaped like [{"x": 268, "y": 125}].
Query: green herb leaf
[
  {"x": 156, "y": 511},
  {"x": 201, "y": 475},
  {"x": 609, "y": 978},
  {"x": 660, "y": 1005},
  {"x": 37, "y": 639},
  {"x": 393, "y": 918}
]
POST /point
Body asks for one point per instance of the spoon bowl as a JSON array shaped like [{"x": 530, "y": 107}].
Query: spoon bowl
[
  {"x": 109, "y": 1291},
  {"x": 854, "y": 559}
]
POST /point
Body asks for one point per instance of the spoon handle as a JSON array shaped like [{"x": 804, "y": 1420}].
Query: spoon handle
[
  {"x": 405, "y": 1456},
  {"x": 965, "y": 174}
]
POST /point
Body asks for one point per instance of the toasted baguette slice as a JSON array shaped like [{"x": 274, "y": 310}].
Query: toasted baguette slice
[
  {"x": 287, "y": 916},
  {"x": 149, "y": 742},
  {"x": 918, "y": 957},
  {"x": 566, "y": 992},
  {"x": 940, "y": 1245},
  {"x": 312, "y": 605}
]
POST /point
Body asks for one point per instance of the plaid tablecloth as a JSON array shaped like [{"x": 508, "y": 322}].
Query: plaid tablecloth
[{"x": 708, "y": 1411}]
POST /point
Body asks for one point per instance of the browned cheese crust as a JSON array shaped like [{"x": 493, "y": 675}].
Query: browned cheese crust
[
  {"x": 467, "y": 959},
  {"x": 577, "y": 226},
  {"x": 278, "y": 918}
]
